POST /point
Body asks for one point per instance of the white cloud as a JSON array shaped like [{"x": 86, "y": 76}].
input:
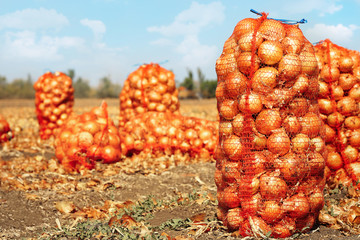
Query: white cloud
[
  {"x": 182, "y": 35},
  {"x": 97, "y": 26},
  {"x": 305, "y": 6},
  {"x": 196, "y": 54},
  {"x": 33, "y": 19},
  {"x": 192, "y": 20},
  {"x": 26, "y": 45},
  {"x": 336, "y": 33}
]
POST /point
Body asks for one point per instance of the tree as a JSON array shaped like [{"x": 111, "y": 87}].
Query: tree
[
  {"x": 188, "y": 82},
  {"x": 201, "y": 78},
  {"x": 71, "y": 74},
  {"x": 82, "y": 88},
  {"x": 107, "y": 89},
  {"x": 208, "y": 88}
]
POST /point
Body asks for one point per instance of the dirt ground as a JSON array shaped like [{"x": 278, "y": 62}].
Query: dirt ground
[{"x": 37, "y": 196}]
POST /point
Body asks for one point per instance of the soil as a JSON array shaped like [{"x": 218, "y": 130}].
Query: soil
[{"x": 28, "y": 209}]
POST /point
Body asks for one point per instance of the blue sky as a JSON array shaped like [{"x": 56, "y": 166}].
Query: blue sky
[{"x": 99, "y": 38}]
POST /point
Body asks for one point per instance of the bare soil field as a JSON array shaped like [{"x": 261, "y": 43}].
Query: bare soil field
[{"x": 138, "y": 198}]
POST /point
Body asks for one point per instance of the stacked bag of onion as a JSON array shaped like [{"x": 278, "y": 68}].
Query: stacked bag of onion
[{"x": 269, "y": 160}]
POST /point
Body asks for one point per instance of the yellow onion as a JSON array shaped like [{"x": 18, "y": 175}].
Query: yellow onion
[{"x": 270, "y": 52}]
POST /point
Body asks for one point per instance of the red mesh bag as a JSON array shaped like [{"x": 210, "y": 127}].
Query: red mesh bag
[
  {"x": 5, "y": 132},
  {"x": 54, "y": 99},
  {"x": 149, "y": 88},
  {"x": 269, "y": 163},
  {"x": 339, "y": 99},
  {"x": 87, "y": 138},
  {"x": 160, "y": 133}
]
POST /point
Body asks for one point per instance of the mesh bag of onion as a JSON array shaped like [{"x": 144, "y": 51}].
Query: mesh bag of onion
[
  {"x": 87, "y": 138},
  {"x": 339, "y": 99},
  {"x": 149, "y": 88},
  {"x": 5, "y": 132},
  {"x": 166, "y": 133},
  {"x": 269, "y": 163},
  {"x": 54, "y": 99}
]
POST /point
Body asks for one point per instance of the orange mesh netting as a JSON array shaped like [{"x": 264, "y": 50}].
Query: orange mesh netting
[
  {"x": 149, "y": 88},
  {"x": 161, "y": 133},
  {"x": 339, "y": 107},
  {"x": 269, "y": 160},
  {"x": 54, "y": 99},
  {"x": 5, "y": 132},
  {"x": 87, "y": 138}
]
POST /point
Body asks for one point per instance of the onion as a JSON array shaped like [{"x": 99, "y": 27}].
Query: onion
[
  {"x": 346, "y": 64},
  {"x": 301, "y": 84},
  {"x": 354, "y": 93},
  {"x": 230, "y": 171},
  {"x": 326, "y": 106},
  {"x": 317, "y": 144},
  {"x": 246, "y": 41},
  {"x": 244, "y": 63},
  {"x": 347, "y": 81},
  {"x": 110, "y": 154},
  {"x": 228, "y": 109},
  {"x": 306, "y": 223},
  {"x": 311, "y": 124},
  {"x": 254, "y": 226},
  {"x": 238, "y": 124},
  {"x": 219, "y": 179},
  {"x": 290, "y": 66},
  {"x": 267, "y": 121},
  {"x": 225, "y": 128},
  {"x": 347, "y": 106},
  {"x": 291, "y": 45},
  {"x": 260, "y": 142},
  {"x": 291, "y": 125},
  {"x": 248, "y": 185},
  {"x": 250, "y": 103},
  {"x": 292, "y": 167},
  {"x": 309, "y": 63},
  {"x": 244, "y": 26},
  {"x": 329, "y": 74},
  {"x": 350, "y": 154},
  {"x": 270, "y": 52},
  {"x": 86, "y": 139},
  {"x": 300, "y": 143},
  {"x": 221, "y": 213},
  {"x": 297, "y": 206},
  {"x": 324, "y": 90},
  {"x": 220, "y": 90},
  {"x": 234, "y": 218},
  {"x": 271, "y": 211},
  {"x": 230, "y": 197},
  {"x": 285, "y": 228},
  {"x": 279, "y": 143},
  {"x": 316, "y": 200},
  {"x": 235, "y": 84},
  {"x": 336, "y": 92},
  {"x": 272, "y": 30},
  {"x": 334, "y": 161},
  {"x": 225, "y": 64},
  {"x": 335, "y": 119},
  {"x": 354, "y": 138},
  {"x": 264, "y": 79},
  {"x": 251, "y": 205},
  {"x": 233, "y": 148},
  {"x": 272, "y": 187},
  {"x": 353, "y": 169}
]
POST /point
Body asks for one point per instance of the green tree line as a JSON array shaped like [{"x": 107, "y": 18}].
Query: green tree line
[{"x": 23, "y": 88}]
